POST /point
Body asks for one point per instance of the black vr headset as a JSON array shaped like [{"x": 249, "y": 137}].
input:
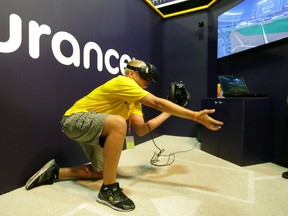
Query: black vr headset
[
  {"x": 179, "y": 94},
  {"x": 147, "y": 72}
]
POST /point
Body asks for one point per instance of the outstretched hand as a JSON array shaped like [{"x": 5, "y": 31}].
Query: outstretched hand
[{"x": 209, "y": 122}]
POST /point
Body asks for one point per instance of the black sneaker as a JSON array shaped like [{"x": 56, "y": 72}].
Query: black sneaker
[
  {"x": 113, "y": 196},
  {"x": 46, "y": 175}
]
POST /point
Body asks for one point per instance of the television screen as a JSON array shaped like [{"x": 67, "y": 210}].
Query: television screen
[{"x": 250, "y": 24}]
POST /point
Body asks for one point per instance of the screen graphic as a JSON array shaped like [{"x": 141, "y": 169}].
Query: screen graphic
[{"x": 250, "y": 24}]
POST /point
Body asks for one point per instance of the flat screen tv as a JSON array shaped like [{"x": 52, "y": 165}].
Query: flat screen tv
[{"x": 250, "y": 24}]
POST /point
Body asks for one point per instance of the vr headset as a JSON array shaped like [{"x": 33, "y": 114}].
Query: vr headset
[
  {"x": 147, "y": 72},
  {"x": 179, "y": 94}
]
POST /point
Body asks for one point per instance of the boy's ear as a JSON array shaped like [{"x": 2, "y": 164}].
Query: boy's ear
[{"x": 131, "y": 73}]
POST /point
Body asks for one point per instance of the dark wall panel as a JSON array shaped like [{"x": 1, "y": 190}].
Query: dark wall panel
[
  {"x": 35, "y": 92},
  {"x": 185, "y": 58}
]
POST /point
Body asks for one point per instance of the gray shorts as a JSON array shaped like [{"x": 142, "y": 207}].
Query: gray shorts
[{"x": 86, "y": 128}]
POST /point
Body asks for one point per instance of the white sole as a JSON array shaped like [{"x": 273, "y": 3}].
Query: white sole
[{"x": 113, "y": 207}]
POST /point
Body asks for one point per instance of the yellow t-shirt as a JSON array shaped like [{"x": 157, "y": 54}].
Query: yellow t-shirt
[{"x": 118, "y": 96}]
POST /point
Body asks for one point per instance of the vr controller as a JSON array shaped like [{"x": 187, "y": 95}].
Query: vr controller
[{"x": 179, "y": 94}]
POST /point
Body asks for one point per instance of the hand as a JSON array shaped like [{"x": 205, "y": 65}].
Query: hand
[{"x": 210, "y": 123}]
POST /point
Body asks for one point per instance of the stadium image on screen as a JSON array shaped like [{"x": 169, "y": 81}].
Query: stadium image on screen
[{"x": 250, "y": 24}]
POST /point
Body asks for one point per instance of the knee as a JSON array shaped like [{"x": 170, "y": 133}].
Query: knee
[
  {"x": 120, "y": 123},
  {"x": 116, "y": 123}
]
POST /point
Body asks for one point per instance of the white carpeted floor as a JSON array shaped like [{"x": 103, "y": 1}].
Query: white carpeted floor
[{"x": 196, "y": 184}]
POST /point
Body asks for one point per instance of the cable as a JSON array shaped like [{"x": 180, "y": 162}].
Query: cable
[{"x": 171, "y": 157}]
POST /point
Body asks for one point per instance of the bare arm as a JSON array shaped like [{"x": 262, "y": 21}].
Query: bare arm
[
  {"x": 167, "y": 106},
  {"x": 141, "y": 127}
]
